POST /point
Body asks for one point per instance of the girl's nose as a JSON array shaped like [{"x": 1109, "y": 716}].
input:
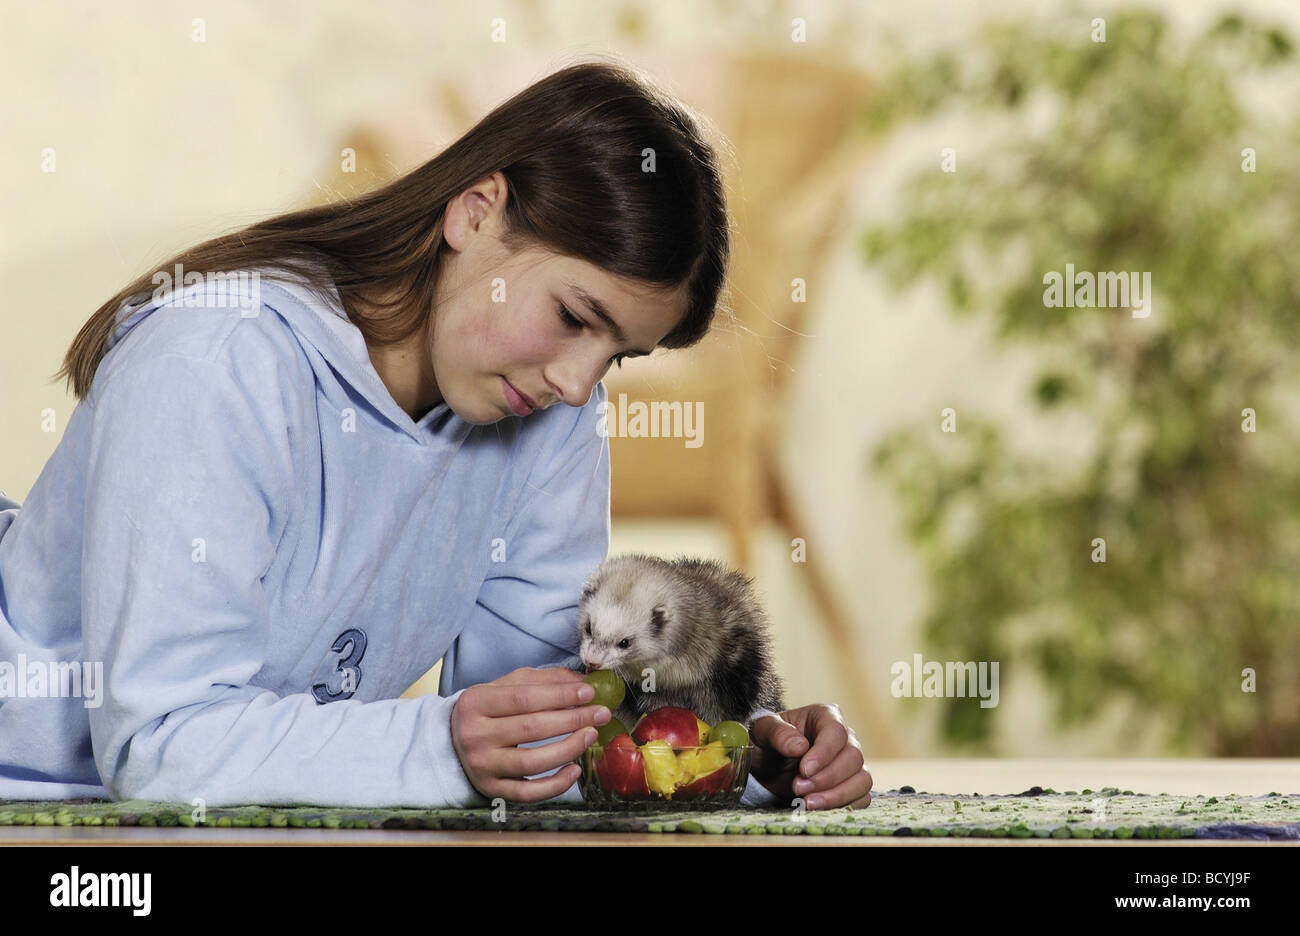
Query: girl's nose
[{"x": 577, "y": 380}]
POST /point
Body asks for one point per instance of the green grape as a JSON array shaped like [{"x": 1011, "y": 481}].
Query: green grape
[
  {"x": 732, "y": 734},
  {"x": 609, "y": 688},
  {"x": 609, "y": 731}
]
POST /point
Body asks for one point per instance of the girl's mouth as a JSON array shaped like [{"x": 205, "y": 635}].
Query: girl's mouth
[{"x": 517, "y": 402}]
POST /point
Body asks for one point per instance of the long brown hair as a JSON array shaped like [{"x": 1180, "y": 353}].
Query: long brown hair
[{"x": 576, "y": 150}]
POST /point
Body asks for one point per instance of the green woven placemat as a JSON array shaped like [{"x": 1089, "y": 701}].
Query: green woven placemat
[{"x": 1105, "y": 814}]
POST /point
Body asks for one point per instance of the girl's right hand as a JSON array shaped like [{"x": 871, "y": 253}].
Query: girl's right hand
[{"x": 489, "y": 720}]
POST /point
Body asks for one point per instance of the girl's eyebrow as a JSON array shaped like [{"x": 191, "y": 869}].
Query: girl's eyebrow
[{"x": 597, "y": 308}]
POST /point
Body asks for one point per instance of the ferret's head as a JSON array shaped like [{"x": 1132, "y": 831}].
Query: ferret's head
[{"x": 625, "y": 616}]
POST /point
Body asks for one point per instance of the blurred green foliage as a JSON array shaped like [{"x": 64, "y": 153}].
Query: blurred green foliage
[{"x": 1136, "y": 167}]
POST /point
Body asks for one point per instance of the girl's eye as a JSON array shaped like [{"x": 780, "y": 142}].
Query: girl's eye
[
  {"x": 624, "y": 643},
  {"x": 573, "y": 322},
  {"x": 568, "y": 318}
]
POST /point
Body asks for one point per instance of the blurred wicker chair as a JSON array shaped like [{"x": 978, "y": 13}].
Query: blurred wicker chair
[{"x": 793, "y": 125}]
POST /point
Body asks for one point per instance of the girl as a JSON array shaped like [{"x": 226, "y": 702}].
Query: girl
[{"x": 315, "y": 456}]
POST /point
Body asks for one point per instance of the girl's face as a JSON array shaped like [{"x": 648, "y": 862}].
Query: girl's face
[{"x": 501, "y": 320}]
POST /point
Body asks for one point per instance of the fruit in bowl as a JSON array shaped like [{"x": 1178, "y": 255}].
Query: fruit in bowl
[
  {"x": 677, "y": 727},
  {"x": 621, "y": 768},
  {"x": 669, "y": 756}
]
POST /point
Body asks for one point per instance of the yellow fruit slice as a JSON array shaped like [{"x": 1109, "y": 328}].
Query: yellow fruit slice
[
  {"x": 686, "y": 764},
  {"x": 701, "y": 762},
  {"x": 711, "y": 757},
  {"x": 703, "y": 729},
  {"x": 663, "y": 773}
]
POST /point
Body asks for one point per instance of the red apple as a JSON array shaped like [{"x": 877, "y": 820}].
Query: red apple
[
  {"x": 677, "y": 726},
  {"x": 621, "y": 768}
]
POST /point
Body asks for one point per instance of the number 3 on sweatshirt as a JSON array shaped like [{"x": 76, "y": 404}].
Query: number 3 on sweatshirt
[{"x": 347, "y": 668}]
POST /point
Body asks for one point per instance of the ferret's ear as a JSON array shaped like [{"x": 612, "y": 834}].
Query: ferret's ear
[{"x": 658, "y": 619}]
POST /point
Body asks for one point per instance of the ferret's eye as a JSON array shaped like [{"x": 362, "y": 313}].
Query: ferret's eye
[
  {"x": 588, "y": 630},
  {"x": 625, "y": 643}
]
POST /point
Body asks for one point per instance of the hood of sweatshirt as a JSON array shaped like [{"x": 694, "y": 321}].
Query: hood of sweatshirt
[{"x": 322, "y": 325}]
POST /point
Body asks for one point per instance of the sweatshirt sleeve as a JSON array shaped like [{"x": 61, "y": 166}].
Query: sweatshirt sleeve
[
  {"x": 526, "y": 613},
  {"x": 527, "y": 608},
  {"x": 755, "y": 793},
  {"x": 188, "y": 478}
]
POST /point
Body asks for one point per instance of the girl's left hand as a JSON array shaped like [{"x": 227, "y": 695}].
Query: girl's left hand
[{"x": 810, "y": 752}]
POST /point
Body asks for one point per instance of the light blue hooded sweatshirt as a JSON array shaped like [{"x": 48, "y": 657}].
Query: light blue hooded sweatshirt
[{"x": 243, "y": 551}]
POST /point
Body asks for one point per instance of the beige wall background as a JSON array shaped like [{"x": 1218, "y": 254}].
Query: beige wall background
[{"x": 161, "y": 142}]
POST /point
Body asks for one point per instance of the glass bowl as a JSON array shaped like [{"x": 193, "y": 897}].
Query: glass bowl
[{"x": 623, "y": 780}]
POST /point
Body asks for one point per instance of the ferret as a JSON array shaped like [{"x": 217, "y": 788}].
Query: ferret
[{"x": 693, "y": 623}]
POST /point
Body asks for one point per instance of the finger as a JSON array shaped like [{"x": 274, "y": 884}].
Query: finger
[
  {"x": 537, "y": 675},
  {"x": 517, "y": 698},
  {"x": 525, "y": 762},
  {"x": 854, "y": 791},
  {"x": 843, "y": 766},
  {"x": 860, "y": 803},
  {"x": 777, "y": 734},
  {"x": 543, "y": 788},
  {"x": 829, "y": 735},
  {"x": 539, "y": 726}
]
